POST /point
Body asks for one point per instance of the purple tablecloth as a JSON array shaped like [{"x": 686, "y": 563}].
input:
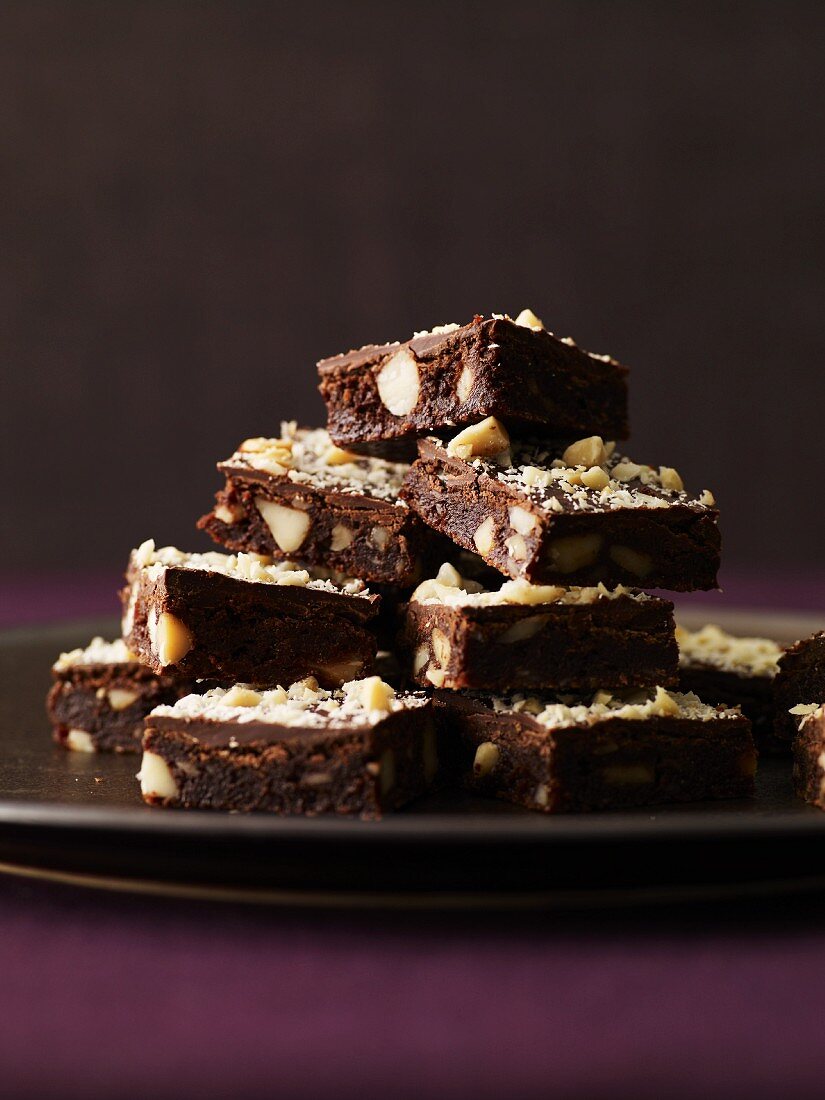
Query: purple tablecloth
[{"x": 106, "y": 995}]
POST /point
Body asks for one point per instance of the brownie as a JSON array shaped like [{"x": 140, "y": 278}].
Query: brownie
[
  {"x": 566, "y": 754},
  {"x": 723, "y": 668},
  {"x": 361, "y": 750},
  {"x": 102, "y": 693},
  {"x": 573, "y": 516},
  {"x": 301, "y": 496},
  {"x": 800, "y": 678},
  {"x": 809, "y": 754},
  {"x": 458, "y": 374},
  {"x": 215, "y": 617},
  {"x": 458, "y": 635}
]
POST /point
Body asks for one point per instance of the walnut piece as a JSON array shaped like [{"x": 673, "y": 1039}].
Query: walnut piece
[
  {"x": 399, "y": 383},
  {"x": 487, "y": 439},
  {"x": 486, "y": 758},
  {"x": 288, "y": 526},
  {"x": 586, "y": 452}
]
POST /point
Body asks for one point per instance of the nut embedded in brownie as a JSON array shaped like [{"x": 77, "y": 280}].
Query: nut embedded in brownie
[
  {"x": 562, "y": 754},
  {"x": 384, "y": 394},
  {"x": 101, "y": 695},
  {"x": 577, "y": 515},
  {"x": 301, "y": 496},
  {"x": 458, "y": 635},
  {"x": 230, "y": 618},
  {"x": 364, "y": 749}
]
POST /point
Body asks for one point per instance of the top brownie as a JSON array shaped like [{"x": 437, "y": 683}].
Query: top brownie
[{"x": 456, "y": 374}]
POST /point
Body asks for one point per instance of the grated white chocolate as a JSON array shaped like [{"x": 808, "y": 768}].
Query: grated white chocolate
[
  {"x": 617, "y": 483},
  {"x": 450, "y": 589},
  {"x": 568, "y": 710},
  {"x": 302, "y": 705},
  {"x": 438, "y": 330},
  {"x": 97, "y": 652},
  {"x": 713, "y": 646},
  {"x": 315, "y": 460},
  {"x": 245, "y": 567}
]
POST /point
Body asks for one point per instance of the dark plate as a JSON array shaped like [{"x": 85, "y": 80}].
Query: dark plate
[{"x": 80, "y": 817}]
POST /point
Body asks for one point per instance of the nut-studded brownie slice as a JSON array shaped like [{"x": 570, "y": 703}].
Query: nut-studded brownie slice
[
  {"x": 576, "y": 515},
  {"x": 562, "y": 754},
  {"x": 458, "y": 374},
  {"x": 301, "y": 496},
  {"x": 458, "y": 635},
  {"x": 800, "y": 678},
  {"x": 809, "y": 752},
  {"x": 241, "y": 618},
  {"x": 361, "y": 750},
  {"x": 722, "y": 668},
  {"x": 101, "y": 695}
]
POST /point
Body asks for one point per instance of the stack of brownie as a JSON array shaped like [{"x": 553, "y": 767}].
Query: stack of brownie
[{"x": 467, "y": 508}]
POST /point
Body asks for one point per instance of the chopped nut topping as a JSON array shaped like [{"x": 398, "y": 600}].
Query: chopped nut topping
[
  {"x": 465, "y": 593},
  {"x": 240, "y": 696},
  {"x": 713, "y": 646},
  {"x": 316, "y": 461},
  {"x": 586, "y": 452},
  {"x": 595, "y": 478},
  {"x": 246, "y": 567},
  {"x": 97, "y": 652},
  {"x": 487, "y": 439},
  {"x": 670, "y": 479},
  {"x": 558, "y": 484},
  {"x": 554, "y": 712},
  {"x": 359, "y": 702},
  {"x": 528, "y": 319}
]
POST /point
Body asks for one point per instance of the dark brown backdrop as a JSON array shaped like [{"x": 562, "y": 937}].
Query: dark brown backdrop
[{"x": 200, "y": 200}]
